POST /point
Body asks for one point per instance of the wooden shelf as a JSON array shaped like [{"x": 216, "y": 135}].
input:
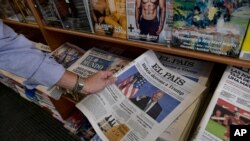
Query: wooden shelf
[
  {"x": 11, "y": 22},
  {"x": 176, "y": 51}
]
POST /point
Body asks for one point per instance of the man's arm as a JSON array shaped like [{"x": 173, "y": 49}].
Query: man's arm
[
  {"x": 162, "y": 5},
  {"x": 19, "y": 56},
  {"x": 137, "y": 13}
]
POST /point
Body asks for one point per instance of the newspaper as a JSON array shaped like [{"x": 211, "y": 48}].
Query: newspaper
[
  {"x": 95, "y": 60},
  {"x": 230, "y": 104},
  {"x": 196, "y": 70},
  {"x": 122, "y": 111}
]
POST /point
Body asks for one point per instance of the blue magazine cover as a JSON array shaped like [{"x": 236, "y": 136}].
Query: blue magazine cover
[{"x": 215, "y": 26}]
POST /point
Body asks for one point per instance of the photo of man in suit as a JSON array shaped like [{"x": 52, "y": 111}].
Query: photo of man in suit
[{"x": 148, "y": 104}]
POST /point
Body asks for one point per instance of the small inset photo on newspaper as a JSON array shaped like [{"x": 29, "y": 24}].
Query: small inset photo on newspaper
[
  {"x": 156, "y": 103},
  {"x": 224, "y": 115}
]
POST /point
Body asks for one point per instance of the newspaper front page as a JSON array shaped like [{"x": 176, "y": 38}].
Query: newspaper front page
[
  {"x": 97, "y": 59},
  {"x": 143, "y": 102},
  {"x": 230, "y": 104}
]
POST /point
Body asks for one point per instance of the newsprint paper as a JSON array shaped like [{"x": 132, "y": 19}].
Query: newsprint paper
[
  {"x": 230, "y": 104},
  {"x": 97, "y": 59},
  {"x": 143, "y": 102}
]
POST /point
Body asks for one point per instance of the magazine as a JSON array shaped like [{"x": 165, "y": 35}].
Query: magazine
[
  {"x": 67, "y": 14},
  {"x": 9, "y": 12},
  {"x": 67, "y": 54},
  {"x": 8, "y": 81},
  {"x": 245, "y": 50},
  {"x": 209, "y": 26},
  {"x": 229, "y": 105},
  {"x": 148, "y": 24},
  {"x": 74, "y": 121},
  {"x": 196, "y": 70},
  {"x": 109, "y": 17},
  {"x": 169, "y": 21},
  {"x": 25, "y": 11},
  {"x": 126, "y": 111}
]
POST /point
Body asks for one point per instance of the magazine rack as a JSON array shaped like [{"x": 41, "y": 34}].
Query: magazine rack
[{"x": 55, "y": 37}]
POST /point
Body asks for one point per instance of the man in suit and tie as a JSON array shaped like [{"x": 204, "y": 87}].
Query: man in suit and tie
[{"x": 149, "y": 105}]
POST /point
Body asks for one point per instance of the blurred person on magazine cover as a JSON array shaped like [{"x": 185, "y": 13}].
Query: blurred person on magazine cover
[
  {"x": 66, "y": 58},
  {"x": 99, "y": 10},
  {"x": 19, "y": 56},
  {"x": 147, "y": 19},
  {"x": 148, "y": 104}
]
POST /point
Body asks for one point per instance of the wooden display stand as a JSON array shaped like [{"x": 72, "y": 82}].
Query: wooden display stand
[{"x": 54, "y": 37}]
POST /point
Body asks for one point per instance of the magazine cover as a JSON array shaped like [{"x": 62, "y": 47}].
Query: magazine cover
[
  {"x": 214, "y": 26},
  {"x": 8, "y": 12},
  {"x": 228, "y": 106},
  {"x": 67, "y": 54},
  {"x": 146, "y": 20},
  {"x": 169, "y": 22},
  {"x": 245, "y": 50},
  {"x": 109, "y": 17},
  {"x": 69, "y": 14},
  {"x": 25, "y": 11}
]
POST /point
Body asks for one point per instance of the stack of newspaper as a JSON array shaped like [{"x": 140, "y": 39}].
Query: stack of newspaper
[
  {"x": 146, "y": 99},
  {"x": 230, "y": 105},
  {"x": 196, "y": 70}
]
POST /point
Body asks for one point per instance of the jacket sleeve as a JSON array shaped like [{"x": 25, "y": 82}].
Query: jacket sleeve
[{"x": 19, "y": 56}]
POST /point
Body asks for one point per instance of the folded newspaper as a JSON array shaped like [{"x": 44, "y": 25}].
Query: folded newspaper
[
  {"x": 196, "y": 70},
  {"x": 95, "y": 60},
  {"x": 230, "y": 105},
  {"x": 143, "y": 102}
]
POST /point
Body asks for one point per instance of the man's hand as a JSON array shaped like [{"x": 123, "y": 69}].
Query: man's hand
[{"x": 98, "y": 81}]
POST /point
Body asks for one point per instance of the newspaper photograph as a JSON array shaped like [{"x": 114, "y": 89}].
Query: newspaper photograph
[
  {"x": 230, "y": 105},
  {"x": 145, "y": 99}
]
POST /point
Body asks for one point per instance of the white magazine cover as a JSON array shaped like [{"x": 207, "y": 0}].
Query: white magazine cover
[
  {"x": 143, "y": 102},
  {"x": 196, "y": 70},
  {"x": 230, "y": 105}
]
